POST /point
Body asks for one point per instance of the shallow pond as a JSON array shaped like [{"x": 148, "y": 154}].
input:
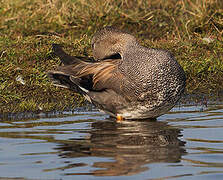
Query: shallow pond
[{"x": 186, "y": 143}]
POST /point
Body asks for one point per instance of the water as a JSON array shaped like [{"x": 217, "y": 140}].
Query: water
[{"x": 186, "y": 143}]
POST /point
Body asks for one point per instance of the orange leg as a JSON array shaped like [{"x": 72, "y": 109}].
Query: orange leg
[{"x": 119, "y": 118}]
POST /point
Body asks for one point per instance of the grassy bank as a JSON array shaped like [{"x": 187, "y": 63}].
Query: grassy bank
[{"x": 191, "y": 29}]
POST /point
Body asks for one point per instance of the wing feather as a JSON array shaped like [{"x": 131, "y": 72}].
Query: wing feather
[
  {"x": 100, "y": 75},
  {"x": 102, "y": 72}
]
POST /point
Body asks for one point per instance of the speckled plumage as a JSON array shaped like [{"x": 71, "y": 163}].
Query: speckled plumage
[{"x": 127, "y": 79}]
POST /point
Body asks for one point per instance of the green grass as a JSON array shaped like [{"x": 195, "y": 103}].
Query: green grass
[{"x": 28, "y": 28}]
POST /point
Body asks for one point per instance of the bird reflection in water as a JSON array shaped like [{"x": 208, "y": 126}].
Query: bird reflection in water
[{"x": 131, "y": 144}]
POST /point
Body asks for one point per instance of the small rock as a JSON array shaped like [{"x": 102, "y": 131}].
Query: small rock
[
  {"x": 20, "y": 79},
  {"x": 40, "y": 108},
  {"x": 208, "y": 39}
]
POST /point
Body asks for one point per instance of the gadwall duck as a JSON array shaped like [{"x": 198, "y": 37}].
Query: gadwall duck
[{"x": 125, "y": 79}]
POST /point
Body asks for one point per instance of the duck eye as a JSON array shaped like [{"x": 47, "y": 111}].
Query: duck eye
[{"x": 93, "y": 45}]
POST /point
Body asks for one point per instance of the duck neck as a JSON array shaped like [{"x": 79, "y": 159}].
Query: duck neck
[{"x": 131, "y": 50}]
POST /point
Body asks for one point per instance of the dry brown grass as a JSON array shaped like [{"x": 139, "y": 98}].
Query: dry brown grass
[{"x": 28, "y": 28}]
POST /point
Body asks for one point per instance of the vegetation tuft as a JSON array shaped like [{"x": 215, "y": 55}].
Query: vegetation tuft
[{"x": 191, "y": 29}]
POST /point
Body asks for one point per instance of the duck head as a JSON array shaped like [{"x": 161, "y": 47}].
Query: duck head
[{"x": 110, "y": 43}]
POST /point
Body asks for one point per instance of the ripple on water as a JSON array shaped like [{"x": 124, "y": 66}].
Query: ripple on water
[{"x": 186, "y": 143}]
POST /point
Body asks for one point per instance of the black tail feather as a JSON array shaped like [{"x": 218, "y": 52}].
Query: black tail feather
[
  {"x": 64, "y": 80},
  {"x": 65, "y": 58}
]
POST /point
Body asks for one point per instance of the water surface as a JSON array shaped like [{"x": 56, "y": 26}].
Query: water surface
[{"x": 186, "y": 143}]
